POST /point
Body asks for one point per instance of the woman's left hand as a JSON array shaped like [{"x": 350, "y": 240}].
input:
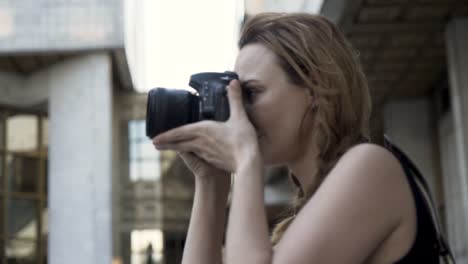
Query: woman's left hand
[{"x": 226, "y": 145}]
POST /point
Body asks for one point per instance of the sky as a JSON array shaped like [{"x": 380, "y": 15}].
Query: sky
[
  {"x": 168, "y": 40},
  {"x": 183, "y": 37}
]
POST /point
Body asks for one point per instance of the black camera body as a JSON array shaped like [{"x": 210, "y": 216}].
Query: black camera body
[{"x": 170, "y": 108}]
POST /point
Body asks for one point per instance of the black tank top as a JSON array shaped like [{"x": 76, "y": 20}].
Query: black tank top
[{"x": 424, "y": 248}]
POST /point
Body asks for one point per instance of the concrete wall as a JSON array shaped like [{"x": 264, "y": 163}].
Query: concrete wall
[{"x": 58, "y": 25}]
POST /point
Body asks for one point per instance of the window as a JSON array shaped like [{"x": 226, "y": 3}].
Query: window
[
  {"x": 23, "y": 189},
  {"x": 144, "y": 161},
  {"x": 147, "y": 244}
]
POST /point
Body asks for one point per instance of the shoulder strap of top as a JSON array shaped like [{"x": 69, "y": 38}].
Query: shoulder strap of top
[{"x": 443, "y": 248}]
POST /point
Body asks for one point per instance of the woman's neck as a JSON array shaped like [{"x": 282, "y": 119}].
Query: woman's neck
[{"x": 304, "y": 168}]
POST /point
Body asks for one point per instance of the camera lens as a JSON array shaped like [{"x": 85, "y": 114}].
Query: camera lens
[{"x": 169, "y": 108}]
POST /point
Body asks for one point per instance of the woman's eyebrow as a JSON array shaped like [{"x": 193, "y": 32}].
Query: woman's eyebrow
[{"x": 246, "y": 82}]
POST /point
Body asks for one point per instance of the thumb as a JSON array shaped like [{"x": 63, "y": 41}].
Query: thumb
[{"x": 235, "y": 99}]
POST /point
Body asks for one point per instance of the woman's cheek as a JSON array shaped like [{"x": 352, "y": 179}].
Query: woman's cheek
[{"x": 266, "y": 122}]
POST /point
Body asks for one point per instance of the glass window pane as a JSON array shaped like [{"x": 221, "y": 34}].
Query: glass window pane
[
  {"x": 22, "y": 133},
  {"x": 149, "y": 170},
  {"x": 143, "y": 157},
  {"x": 141, "y": 129},
  {"x": 148, "y": 151},
  {"x": 21, "y": 251},
  {"x": 134, "y": 170},
  {"x": 136, "y": 129},
  {"x": 133, "y": 150},
  {"x": 23, "y": 174},
  {"x": 142, "y": 240},
  {"x": 22, "y": 216}
]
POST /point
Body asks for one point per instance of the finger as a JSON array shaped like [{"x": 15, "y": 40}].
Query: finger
[
  {"x": 235, "y": 99},
  {"x": 174, "y": 135},
  {"x": 181, "y": 146},
  {"x": 182, "y": 133}
]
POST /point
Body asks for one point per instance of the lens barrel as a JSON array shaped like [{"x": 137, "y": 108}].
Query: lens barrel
[{"x": 169, "y": 108}]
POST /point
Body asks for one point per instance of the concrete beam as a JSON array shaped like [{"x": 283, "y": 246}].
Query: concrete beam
[
  {"x": 21, "y": 91},
  {"x": 59, "y": 26},
  {"x": 11, "y": 88},
  {"x": 28, "y": 91}
]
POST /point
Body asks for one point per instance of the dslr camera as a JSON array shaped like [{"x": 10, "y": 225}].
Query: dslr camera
[{"x": 170, "y": 108}]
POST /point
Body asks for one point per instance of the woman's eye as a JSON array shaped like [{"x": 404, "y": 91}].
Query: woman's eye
[
  {"x": 250, "y": 92},
  {"x": 249, "y": 97}
]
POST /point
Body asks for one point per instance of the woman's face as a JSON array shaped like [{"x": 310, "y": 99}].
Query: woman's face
[{"x": 274, "y": 105}]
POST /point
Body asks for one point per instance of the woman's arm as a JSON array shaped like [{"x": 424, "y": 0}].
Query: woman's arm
[
  {"x": 206, "y": 228},
  {"x": 247, "y": 233}
]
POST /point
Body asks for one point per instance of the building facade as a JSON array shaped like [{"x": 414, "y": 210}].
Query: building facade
[
  {"x": 62, "y": 63},
  {"x": 80, "y": 183}
]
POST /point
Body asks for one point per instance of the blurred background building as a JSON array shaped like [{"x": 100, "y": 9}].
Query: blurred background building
[{"x": 81, "y": 183}]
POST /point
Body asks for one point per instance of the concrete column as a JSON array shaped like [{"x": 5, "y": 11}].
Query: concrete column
[
  {"x": 409, "y": 125},
  {"x": 80, "y": 160},
  {"x": 457, "y": 52},
  {"x": 452, "y": 191}
]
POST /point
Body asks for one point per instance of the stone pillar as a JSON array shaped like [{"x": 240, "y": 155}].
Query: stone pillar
[
  {"x": 409, "y": 124},
  {"x": 457, "y": 52},
  {"x": 80, "y": 160}
]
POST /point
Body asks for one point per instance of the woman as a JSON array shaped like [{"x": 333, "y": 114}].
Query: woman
[{"x": 301, "y": 100}]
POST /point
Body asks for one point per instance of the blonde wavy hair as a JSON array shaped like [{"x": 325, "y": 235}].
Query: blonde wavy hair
[{"x": 315, "y": 54}]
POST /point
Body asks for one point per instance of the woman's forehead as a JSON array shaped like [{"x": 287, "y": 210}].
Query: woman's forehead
[{"x": 255, "y": 61}]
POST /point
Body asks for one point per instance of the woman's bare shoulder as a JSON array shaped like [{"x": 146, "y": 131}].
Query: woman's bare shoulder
[
  {"x": 356, "y": 207},
  {"x": 373, "y": 161}
]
